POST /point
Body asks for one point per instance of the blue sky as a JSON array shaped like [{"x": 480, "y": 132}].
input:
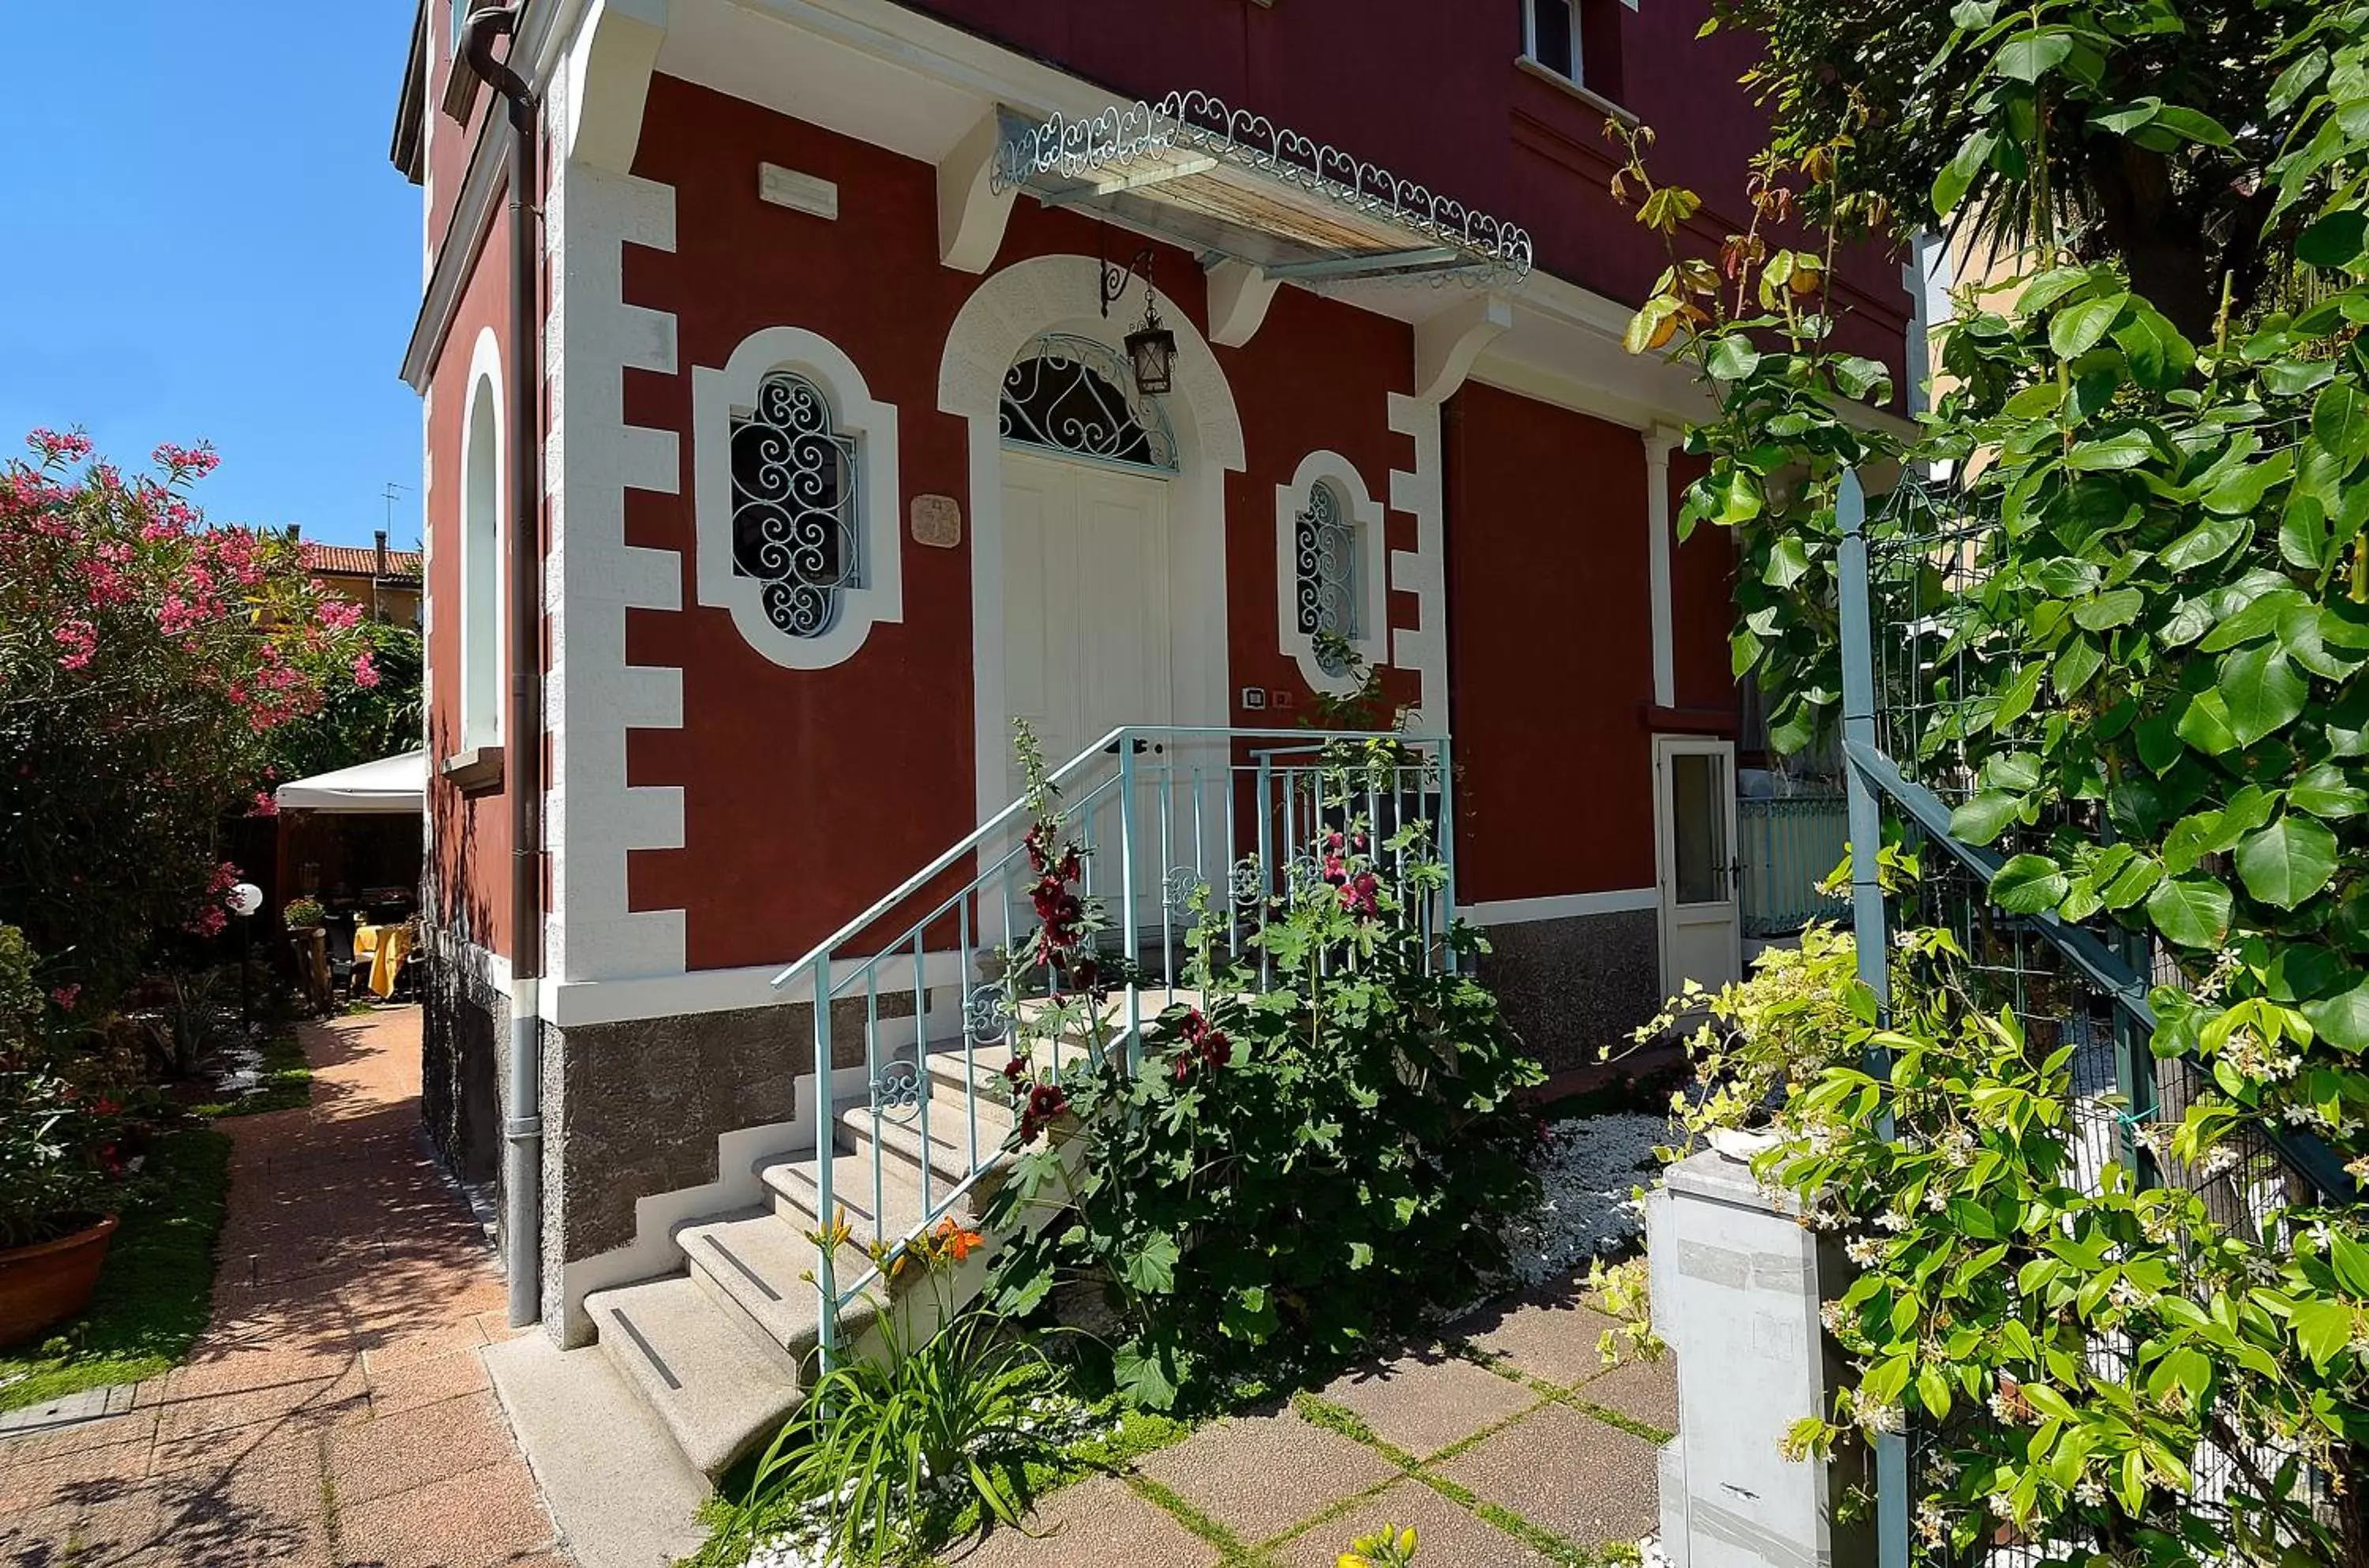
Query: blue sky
[{"x": 205, "y": 240}]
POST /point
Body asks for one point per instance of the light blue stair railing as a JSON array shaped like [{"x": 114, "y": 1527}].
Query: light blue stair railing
[{"x": 1165, "y": 818}]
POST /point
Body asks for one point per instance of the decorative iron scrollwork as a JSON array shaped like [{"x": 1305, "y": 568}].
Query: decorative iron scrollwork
[
  {"x": 1069, "y": 393},
  {"x": 793, "y": 484},
  {"x": 897, "y": 1092},
  {"x": 987, "y": 1012},
  {"x": 1248, "y": 879},
  {"x": 1178, "y": 887},
  {"x": 1325, "y": 556}
]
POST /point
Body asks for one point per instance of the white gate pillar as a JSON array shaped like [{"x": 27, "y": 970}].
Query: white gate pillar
[{"x": 1735, "y": 1293}]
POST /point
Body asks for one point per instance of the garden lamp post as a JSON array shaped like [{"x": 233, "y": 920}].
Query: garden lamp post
[{"x": 244, "y": 899}]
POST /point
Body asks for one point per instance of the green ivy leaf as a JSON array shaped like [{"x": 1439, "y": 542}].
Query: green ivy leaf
[
  {"x": 2339, "y": 420},
  {"x": 2288, "y": 861},
  {"x": 2263, "y": 691},
  {"x": 2322, "y": 1329},
  {"x": 2239, "y": 491},
  {"x": 2336, "y": 241},
  {"x": 2028, "y": 885},
  {"x": 1788, "y": 560},
  {"x": 2029, "y": 56},
  {"x": 2124, "y": 449},
  {"x": 2118, "y": 608},
  {"x": 2342, "y": 1020},
  {"x": 2324, "y": 791},
  {"x": 2131, "y": 883},
  {"x": 2350, "y": 1262},
  {"x": 2193, "y": 126},
  {"x": 2081, "y": 659},
  {"x": 1733, "y": 358},
  {"x": 2209, "y": 540},
  {"x": 2191, "y": 911},
  {"x": 2204, "y": 724},
  {"x": 1984, "y": 816},
  {"x": 2017, "y": 699},
  {"x": 1949, "y": 187},
  {"x": 2078, "y": 328}
]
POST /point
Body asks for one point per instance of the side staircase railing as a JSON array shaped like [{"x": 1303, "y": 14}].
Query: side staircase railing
[
  {"x": 1901, "y": 581},
  {"x": 1175, "y": 826}
]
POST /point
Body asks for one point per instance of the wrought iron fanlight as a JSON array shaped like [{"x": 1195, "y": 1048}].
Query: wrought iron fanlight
[{"x": 1151, "y": 347}]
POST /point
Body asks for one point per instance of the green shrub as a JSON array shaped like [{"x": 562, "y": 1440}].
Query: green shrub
[{"x": 1309, "y": 1160}]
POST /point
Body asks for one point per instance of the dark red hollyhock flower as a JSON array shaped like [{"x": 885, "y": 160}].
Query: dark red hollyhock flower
[
  {"x": 1332, "y": 844},
  {"x": 1359, "y": 896},
  {"x": 1015, "y": 1070},
  {"x": 1046, "y": 1104}
]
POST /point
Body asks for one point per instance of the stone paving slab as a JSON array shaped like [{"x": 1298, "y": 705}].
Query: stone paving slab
[
  {"x": 336, "y": 1413},
  {"x": 1447, "y": 1536},
  {"x": 68, "y": 1409},
  {"x": 1428, "y": 1400},
  {"x": 1552, "y": 1334},
  {"x": 1096, "y": 1522},
  {"x": 1558, "y": 1467},
  {"x": 1258, "y": 1475},
  {"x": 1641, "y": 1390}
]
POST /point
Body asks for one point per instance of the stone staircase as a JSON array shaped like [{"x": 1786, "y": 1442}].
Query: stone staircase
[{"x": 721, "y": 1352}]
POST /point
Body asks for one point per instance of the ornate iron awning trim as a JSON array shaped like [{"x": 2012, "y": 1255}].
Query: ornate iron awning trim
[{"x": 1234, "y": 183}]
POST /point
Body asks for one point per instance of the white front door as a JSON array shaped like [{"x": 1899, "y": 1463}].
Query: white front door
[
  {"x": 1085, "y": 602},
  {"x": 1694, "y": 822}
]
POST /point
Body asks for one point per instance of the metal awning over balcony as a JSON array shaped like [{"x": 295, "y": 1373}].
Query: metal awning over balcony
[{"x": 1233, "y": 183}]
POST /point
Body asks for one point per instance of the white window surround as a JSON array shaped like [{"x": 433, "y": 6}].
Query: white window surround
[
  {"x": 483, "y": 618},
  {"x": 1371, "y": 642},
  {"x": 715, "y": 395}
]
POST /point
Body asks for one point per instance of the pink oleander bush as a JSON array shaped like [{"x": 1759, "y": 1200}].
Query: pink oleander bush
[{"x": 147, "y": 659}]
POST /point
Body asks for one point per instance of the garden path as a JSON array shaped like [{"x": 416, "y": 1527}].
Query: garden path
[
  {"x": 336, "y": 1411},
  {"x": 1506, "y": 1446}
]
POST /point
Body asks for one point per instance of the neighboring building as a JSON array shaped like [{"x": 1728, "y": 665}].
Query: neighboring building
[
  {"x": 386, "y": 583},
  {"x": 842, "y": 226}
]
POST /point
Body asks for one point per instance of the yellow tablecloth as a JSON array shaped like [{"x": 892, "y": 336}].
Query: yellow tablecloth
[{"x": 386, "y": 947}]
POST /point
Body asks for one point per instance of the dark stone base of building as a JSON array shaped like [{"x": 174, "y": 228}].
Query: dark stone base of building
[{"x": 1568, "y": 988}]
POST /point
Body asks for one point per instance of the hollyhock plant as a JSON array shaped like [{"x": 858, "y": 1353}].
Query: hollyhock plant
[{"x": 147, "y": 658}]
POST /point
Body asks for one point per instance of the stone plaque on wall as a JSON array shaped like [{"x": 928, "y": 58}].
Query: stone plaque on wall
[{"x": 937, "y": 522}]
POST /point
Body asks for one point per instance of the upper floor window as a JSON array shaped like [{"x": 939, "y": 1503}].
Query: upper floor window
[
  {"x": 794, "y": 505},
  {"x": 1578, "y": 41},
  {"x": 1552, "y": 37}
]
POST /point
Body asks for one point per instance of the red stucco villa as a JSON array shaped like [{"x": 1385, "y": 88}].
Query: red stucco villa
[{"x": 798, "y": 445}]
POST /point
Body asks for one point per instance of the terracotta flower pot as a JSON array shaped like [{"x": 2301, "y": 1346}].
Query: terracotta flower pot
[{"x": 50, "y": 1281}]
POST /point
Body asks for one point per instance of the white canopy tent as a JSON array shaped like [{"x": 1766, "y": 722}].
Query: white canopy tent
[{"x": 388, "y": 785}]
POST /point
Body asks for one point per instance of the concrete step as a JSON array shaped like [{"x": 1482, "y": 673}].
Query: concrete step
[
  {"x": 947, "y": 1150},
  {"x": 891, "y": 1214},
  {"x": 759, "y": 1267},
  {"x": 720, "y": 1393}
]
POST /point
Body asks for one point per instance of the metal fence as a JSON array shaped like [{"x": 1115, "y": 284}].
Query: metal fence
[
  {"x": 1787, "y": 845},
  {"x": 1913, "y": 676}
]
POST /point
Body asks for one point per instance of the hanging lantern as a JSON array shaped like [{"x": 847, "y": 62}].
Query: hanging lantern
[{"x": 1152, "y": 352}]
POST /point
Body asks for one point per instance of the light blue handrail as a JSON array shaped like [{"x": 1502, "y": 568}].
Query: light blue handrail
[{"x": 1161, "y": 812}]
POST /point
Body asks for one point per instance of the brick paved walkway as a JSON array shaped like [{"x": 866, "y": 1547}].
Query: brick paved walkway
[
  {"x": 1509, "y": 1446},
  {"x": 337, "y": 1411}
]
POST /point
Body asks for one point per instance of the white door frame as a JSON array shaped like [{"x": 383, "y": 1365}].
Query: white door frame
[
  {"x": 1008, "y": 312},
  {"x": 1665, "y": 853}
]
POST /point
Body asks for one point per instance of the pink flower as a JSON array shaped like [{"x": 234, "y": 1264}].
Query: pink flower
[
  {"x": 264, "y": 805},
  {"x": 80, "y": 640},
  {"x": 337, "y": 615},
  {"x": 66, "y": 996},
  {"x": 365, "y": 672},
  {"x": 194, "y": 462},
  {"x": 71, "y": 447}
]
